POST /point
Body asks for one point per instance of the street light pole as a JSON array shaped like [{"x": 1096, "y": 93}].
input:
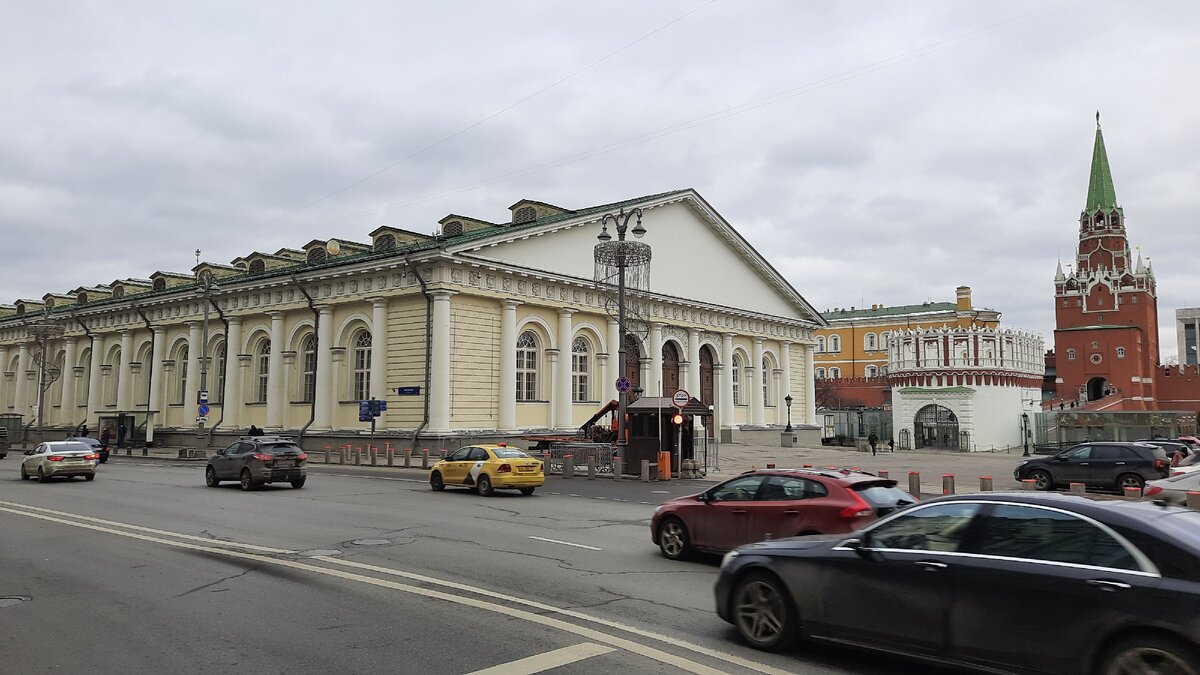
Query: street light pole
[
  {"x": 788, "y": 400},
  {"x": 1025, "y": 432},
  {"x": 205, "y": 290},
  {"x": 621, "y": 225}
]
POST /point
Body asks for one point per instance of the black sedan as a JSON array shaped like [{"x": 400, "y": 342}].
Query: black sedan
[{"x": 1029, "y": 582}]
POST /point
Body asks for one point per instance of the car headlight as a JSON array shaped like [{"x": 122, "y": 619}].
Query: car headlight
[
  {"x": 729, "y": 557},
  {"x": 1022, "y": 462}
]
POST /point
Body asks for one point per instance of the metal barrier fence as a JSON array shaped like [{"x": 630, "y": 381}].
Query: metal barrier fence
[{"x": 602, "y": 453}]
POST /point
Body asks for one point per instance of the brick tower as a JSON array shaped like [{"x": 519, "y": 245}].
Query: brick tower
[{"x": 1106, "y": 335}]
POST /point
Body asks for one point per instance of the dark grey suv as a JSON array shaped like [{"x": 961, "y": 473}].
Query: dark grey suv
[
  {"x": 1106, "y": 464},
  {"x": 257, "y": 460}
]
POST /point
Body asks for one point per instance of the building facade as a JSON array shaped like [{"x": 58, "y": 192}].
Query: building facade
[{"x": 485, "y": 329}]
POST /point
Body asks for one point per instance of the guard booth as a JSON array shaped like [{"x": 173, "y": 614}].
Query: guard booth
[
  {"x": 135, "y": 428},
  {"x": 650, "y": 431},
  {"x": 11, "y": 423}
]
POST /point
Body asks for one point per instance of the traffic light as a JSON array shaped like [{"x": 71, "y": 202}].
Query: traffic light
[{"x": 677, "y": 419}]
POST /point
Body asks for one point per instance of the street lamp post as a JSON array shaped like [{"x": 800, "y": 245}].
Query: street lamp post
[
  {"x": 622, "y": 254},
  {"x": 1025, "y": 432},
  {"x": 861, "y": 410},
  {"x": 204, "y": 289},
  {"x": 788, "y": 400}
]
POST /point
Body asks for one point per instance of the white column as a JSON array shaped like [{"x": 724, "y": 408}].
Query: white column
[
  {"x": 508, "y": 365},
  {"x": 552, "y": 366},
  {"x": 3, "y": 389},
  {"x": 125, "y": 374},
  {"x": 609, "y": 391},
  {"x": 693, "y": 369},
  {"x": 323, "y": 415},
  {"x": 193, "y": 372},
  {"x": 727, "y": 418},
  {"x": 21, "y": 384},
  {"x": 562, "y": 385},
  {"x": 654, "y": 387},
  {"x": 810, "y": 393},
  {"x": 785, "y": 388},
  {"x": 379, "y": 350},
  {"x": 94, "y": 381},
  {"x": 757, "y": 404},
  {"x": 276, "y": 391},
  {"x": 231, "y": 398},
  {"x": 67, "y": 402},
  {"x": 439, "y": 364},
  {"x": 158, "y": 347}
]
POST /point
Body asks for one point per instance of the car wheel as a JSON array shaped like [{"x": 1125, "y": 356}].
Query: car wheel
[
  {"x": 526, "y": 491},
  {"x": 673, "y": 539},
  {"x": 1150, "y": 654},
  {"x": 1130, "y": 480},
  {"x": 89, "y": 476},
  {"x": 210, "y": 477},
  {"x": 435, "y": 481},
  {"x": 763, "y": 612},
  {"x": 247, "y": 480},
  {"x": 24, "y": 476},
  {"x": 298, "y": 483},
  {"x": 1042, "y": 480},
  {"x": 485, "y": 486},
  {"x": 42, "y": 477}
]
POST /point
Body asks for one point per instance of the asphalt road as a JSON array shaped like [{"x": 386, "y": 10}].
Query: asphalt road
[{"x": 362, "y": 571}]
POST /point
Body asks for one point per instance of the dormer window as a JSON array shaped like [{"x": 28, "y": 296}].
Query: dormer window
[
  {"x": 81, "y": 299},
  {"x": 20, "y": 309},
  {"x": 160, "y": 284},
  {"x": 257, "y": 266},
  {"x": 385, "y": 242},
  {"x": 49, "y": 303},
  {"x": 119, "y": 292},
  {"x": 316, "y": 256},
  {"x": 525, "y": 214},
  {"x": 452, "y": 228}
]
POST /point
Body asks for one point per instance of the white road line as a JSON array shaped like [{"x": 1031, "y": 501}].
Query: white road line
[
  {"x": 567, "y": 543},
  {"x": 540, "y": 662}
]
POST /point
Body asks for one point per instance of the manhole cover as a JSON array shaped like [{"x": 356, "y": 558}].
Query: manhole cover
[
  {"x": 371, "y": 542},
  {"x": 10, "y": 600},
  {"x": 317, "y": 552}
]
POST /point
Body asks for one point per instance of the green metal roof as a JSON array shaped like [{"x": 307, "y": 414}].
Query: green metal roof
[
  {"x": 900, "y": 310},
  {"x": 1101, "y": 194}
]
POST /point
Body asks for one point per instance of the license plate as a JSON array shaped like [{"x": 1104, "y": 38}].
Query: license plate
[
  {"x": 525, "y": 469},
  {"x": 283, "y": 463}
]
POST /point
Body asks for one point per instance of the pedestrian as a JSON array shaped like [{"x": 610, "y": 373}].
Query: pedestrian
[
  {"x": 872, "y": 440},
  {"x": 106, "y": 435},
  {"x": 891, "y": 445},
  {"x": 83, "y": 430},
  {"x": 254, "y": 431},
  {"x": 121, "y": 435}
]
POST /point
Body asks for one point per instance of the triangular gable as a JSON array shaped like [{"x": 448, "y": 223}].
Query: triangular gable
[{"x": 697, "y": 254}]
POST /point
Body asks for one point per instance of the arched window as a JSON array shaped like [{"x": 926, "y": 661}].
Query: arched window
[
  {"x": 81, "y": 299},
  {"x": 527, "y": 367},
  {"x": 385, "y": 242},
  {"x": 820, "y": 343},
  {"x": 217, "y": 396},
  {"x": 119, "y": 292},
  {"x": 580, "y": 367},
  {"x": 870, "y": 342},
  {"x": 1070, "y": 354},
  {"x": 160, "y": 284},
  {"x": 872, "y": 371},
  {"x": 525, "y": 214},
  {"x": 258, "y": 266},
  {"x": 316, "y": 256},
  {"x": 181, "y": 367},
  {"x": 884, "y": 339},
  {"x": 766, "y": 378},
  {"x": 115, "y": 380},
  {"x": 737, "y": 380},
  {"x": 1120, "y": 352},
  {"x": 820, "y": 373},
  {"x": 263, "y": 370},
  {"x": 362, "y": 366},
  {"x": 308, "y": 373},
  {"x": 835, "y": 373},
  {"x": 835, "y": 343}
]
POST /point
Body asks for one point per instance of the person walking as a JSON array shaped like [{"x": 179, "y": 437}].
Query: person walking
[
  {"x": 891, "y": 445},
  {"x": 872, "y": 441},
  {"x": 254, "y": 431},
  {"x": 106, "y": 435}
]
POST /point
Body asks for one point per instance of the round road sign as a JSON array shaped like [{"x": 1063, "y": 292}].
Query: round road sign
[
  {"x": 202, "y": 411},
  {"x": 680, "y": 398},
  {"x": 623, "y": 384}
]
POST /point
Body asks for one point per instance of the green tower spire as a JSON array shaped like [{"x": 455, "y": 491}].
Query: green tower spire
[{"x": 1101, "y": 194}]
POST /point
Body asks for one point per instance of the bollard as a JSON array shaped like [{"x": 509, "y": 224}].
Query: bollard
[
  {"x": 914, "y": 483},
  {"x": 1028, "y": 484},
  {"x": 424, "y": 458},
  {"x": 568, "y": 466},
  {"x": 807, "y": 466},
  {"x": 357, "y": 456},
  {"x": 985, "y": 484},
  {"x": 1193, "y": 500},
  {"x": 618, "y": 468},
  {"x": 391, "y": 455},
  {"x": 883, "y": 473},
  {"x": 591, "y": 468},
  {"x": 328, "y": 451},
  {"x": 1078, "y": 489},
  {"x": 947, "y": 483},
  {"x": 645, "y": 471},
  {"x": 342, "y": 454},
  {"x": 374, "y": 454},
  {"x": 664, "y": 465},
  {"x": 1133, "y": 493},
  {"x": 408, "y": 458}
]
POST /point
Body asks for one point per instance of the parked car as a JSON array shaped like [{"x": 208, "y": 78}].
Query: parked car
[
  {"x": 54, "y": 459},
  {"x": 254, "y": 461},
  {"x": 1171, "y": 447},
  {"x": 99, "y": 448},
  {"x": 487, "y": 468},
  {"x": 768, "y": 503},
  {"x": 1003, "y": 582},
  {"x": 1175, "y": 488},
  {"x": 1106, "y": 464}
]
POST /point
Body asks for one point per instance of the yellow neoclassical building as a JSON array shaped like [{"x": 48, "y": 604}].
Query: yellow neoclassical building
[
  {"x": 855, "y": 343},
  {"x": 482, "y": 329}
]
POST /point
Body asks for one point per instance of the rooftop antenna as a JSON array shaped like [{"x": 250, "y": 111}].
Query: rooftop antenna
[{"x": 197, "y": 256}]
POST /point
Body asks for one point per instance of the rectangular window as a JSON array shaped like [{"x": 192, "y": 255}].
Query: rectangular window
[{"x": 579, "y": 377}]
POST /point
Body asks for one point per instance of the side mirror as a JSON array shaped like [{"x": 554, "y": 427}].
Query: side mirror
[
  {"x": 29, "y": 452},
  {"x": 702, "y": 497}
]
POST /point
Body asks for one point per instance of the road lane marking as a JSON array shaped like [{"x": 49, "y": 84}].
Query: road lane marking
[
  {"x": 540, "y": 662},
  {"x": 474, "y": 590},
  {"x": 567, "y": 543}
]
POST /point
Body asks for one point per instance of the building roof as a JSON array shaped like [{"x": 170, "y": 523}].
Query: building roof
[
  {"x": 1101, "y": 193},
  {"x": 880, "y": 311}
]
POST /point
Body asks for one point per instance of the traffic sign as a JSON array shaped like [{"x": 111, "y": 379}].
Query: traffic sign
[
  {"x": 202, "y": 411},
  {"x": 202, "y": 396},
  {"x": 680, "y": 398},
  {"x": 408, "y": 391},
  {"x": 623, "y": 384}
]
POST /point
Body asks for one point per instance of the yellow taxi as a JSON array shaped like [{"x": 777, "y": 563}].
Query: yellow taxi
[{"x": 487, "y": 468}]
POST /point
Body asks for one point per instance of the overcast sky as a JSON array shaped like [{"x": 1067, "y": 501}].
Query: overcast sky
[{"x": 874, "y": 152}]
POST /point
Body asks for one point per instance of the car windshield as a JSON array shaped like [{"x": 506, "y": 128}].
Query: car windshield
[
  {"x": 70, "y": 446},
  {"x": 883, "y": 493},
  {"x": 280, "y": 448},
  {"x": 508, "y": 453}
]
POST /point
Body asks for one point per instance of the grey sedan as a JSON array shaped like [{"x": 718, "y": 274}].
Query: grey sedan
[{"x": 59, "y": 458}]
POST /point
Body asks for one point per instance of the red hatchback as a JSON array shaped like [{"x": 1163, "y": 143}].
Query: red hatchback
[{"x": 772, "y": 504}]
